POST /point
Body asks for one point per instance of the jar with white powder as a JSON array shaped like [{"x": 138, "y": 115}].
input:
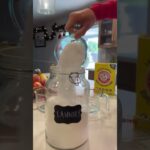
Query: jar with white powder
[{"x": 67, "y": 102}]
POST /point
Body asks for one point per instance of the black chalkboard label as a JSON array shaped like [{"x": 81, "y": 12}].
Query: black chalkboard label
[{"x": 67, "y": 114}]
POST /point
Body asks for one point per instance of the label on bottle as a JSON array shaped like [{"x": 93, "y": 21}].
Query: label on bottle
[{"x": 67, "y": 114}]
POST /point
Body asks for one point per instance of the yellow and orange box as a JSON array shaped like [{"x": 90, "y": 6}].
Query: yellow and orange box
[
  {"x": 105, "y": 78},
  {"x": 143, "y": 84}
]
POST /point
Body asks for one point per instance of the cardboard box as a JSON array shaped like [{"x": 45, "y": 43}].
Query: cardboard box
[
  {"x": 105, "y": 78},
  {"x": 143, "y": 84}
]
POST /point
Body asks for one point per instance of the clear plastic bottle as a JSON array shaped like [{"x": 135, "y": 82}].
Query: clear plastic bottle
[{"x": 67, "y": 110}]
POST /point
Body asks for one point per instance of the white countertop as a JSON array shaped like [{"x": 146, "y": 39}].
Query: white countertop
[{"x": 102, "y": 133}]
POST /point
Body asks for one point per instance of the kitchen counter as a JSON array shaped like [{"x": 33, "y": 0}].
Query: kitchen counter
[{"x": 102, "y": 132}]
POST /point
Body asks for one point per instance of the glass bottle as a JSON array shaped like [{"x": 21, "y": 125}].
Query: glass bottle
[
  {"x": 67, "y": 110},
  {"x": 63, "y": 42}
]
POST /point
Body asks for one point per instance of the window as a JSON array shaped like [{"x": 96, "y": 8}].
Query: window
[{"x": 91, "y": 38}]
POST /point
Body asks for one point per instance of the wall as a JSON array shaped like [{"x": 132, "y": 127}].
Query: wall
[{"x": 44, "y": 57}]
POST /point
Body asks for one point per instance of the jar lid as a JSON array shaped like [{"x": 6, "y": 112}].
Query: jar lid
[{"x": 14, "y": 59}]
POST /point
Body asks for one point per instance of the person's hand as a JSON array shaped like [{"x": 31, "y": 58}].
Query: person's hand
[{"x": 85, "y": 18}]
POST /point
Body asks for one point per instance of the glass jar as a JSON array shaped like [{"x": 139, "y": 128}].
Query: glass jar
[
  {"x": 63, "y": 42},
  {"x": 67, "y": 110},
  {"x": 45, "y": 7}
]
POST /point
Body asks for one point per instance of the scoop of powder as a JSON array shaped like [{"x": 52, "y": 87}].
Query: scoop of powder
[{"x": 72, "y": 57}]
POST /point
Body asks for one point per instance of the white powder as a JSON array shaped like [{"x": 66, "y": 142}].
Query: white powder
[
  {"x": 72, "y": 57},
  {"x": 61, "y": 135}
]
